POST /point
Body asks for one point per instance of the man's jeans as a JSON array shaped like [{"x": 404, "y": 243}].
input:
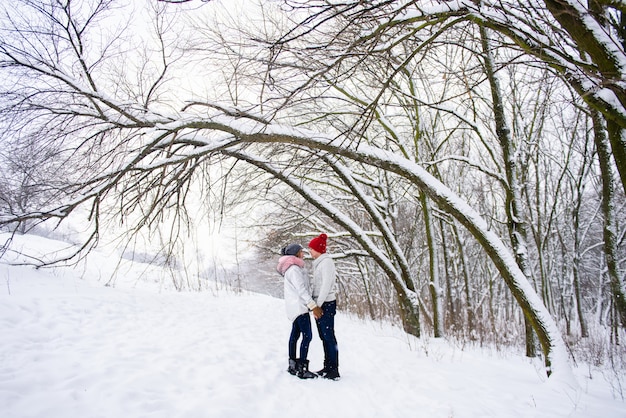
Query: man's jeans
[{"x": 326, "y": 329}]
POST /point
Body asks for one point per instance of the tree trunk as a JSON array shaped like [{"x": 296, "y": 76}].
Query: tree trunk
[
  {"x": 469, "y": 303},
  {"x": 584, "y": 333},
  {"x": 366, "y": 288},
  {"x": 608, "y": 210},
  {"x": 514, "y": 212},
  {"x": 434, "y": 285},
  {"x": 447, "y": 266}
]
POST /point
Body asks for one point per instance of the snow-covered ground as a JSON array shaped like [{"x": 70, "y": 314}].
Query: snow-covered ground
[{"x": 72, "y": 347}]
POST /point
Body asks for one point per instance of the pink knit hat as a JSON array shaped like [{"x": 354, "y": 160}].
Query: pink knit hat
[{"x": 319, "y": 243}]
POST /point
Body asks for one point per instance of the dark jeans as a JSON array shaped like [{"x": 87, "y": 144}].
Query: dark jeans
[
  {"x": 326, "y": 329},
  {"x": 301, "y": 326}
]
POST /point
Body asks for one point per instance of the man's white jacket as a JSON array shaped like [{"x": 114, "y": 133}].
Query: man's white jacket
[{"x": 324, "y": 279}]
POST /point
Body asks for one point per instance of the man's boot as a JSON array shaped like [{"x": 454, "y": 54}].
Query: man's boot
[
  {"x": 323, "y": 372},
  {"x": 331, "y": 373}
]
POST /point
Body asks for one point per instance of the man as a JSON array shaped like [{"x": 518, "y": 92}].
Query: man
[{"x": 324, "y": 284}]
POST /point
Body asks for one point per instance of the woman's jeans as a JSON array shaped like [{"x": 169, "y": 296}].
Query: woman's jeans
[
  {"x": 326, "y": 329},
  {"x": 301, "y": 326}
]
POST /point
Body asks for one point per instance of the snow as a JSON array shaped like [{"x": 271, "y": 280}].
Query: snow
[{"x": 72, "y": 347}]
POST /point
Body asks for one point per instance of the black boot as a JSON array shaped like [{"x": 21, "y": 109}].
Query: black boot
[
  {"x": 331, "y": 373},
  {"x": 303, "y": 370},
  {"x": 293, "y": 367},
  {"x": 323, "y": 371}
]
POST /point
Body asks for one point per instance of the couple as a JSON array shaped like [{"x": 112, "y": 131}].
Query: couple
[{"x": 299, "y": 300}]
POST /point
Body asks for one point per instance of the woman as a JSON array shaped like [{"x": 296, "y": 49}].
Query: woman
[{"x": 298, "y": 303}]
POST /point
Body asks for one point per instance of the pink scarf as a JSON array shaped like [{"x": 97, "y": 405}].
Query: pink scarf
[{"x": 287, "y": 261}]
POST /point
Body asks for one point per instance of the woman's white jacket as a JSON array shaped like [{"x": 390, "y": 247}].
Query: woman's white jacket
[{"x": 298, "y": 298}]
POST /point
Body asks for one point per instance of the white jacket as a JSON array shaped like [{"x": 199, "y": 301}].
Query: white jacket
[
  {"x": 298, "y": 298},
  {"x": 324, "y": 279}
]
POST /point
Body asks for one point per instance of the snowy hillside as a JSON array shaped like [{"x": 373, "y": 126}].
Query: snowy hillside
[{"x": 72, "y": 347}]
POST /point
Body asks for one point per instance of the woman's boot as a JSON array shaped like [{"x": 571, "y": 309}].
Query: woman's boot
[
  {"x": 293, "y": 367},
  {"x": 303, "y": 370}
]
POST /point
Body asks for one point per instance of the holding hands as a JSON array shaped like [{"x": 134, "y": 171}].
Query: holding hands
[{"x": 317, "y": 312}]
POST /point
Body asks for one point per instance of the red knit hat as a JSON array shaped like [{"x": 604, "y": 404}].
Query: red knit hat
[{"x": 319, "y": 243}]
